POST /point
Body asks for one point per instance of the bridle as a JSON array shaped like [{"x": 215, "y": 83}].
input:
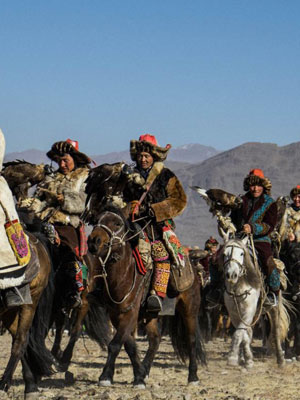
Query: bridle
[{"x": 231, "y": 259}]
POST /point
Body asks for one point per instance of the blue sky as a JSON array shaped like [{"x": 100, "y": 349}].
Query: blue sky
[{"x": 218, "y": 73}]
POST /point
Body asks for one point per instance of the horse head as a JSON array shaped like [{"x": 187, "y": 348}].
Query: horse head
[
  {"x": 107, "y": 239},
  {"x": 233, "y": 260}
]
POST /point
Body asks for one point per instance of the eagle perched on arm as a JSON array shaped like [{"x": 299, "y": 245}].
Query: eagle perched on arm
[
  {"x": 219, "y": 200},
  {"x": 21, "y": 175}
]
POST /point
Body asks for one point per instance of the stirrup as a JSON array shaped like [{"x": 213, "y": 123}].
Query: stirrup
[{"x": 154, "y": 303}]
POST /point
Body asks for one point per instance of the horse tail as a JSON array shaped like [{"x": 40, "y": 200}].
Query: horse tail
[
  {"x": 38, "y": 357},
  {"x": 179, "y": 337},
  {"x": 96, "y": 323},
  {"x": 284, "y": 306}
]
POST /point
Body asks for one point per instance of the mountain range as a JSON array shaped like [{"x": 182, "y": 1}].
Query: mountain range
[{"x": 199, "y": 165}]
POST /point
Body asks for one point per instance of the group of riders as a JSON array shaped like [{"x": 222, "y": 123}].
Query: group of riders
[{"x": 156, "y": 193}]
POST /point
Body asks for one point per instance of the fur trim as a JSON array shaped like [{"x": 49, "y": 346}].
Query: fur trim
[
  {"x": 157, "y": 152},
  {"x": 295, "y": 191},
  {"x": 252, "y": 180},
  {"x": 11, "y": 282},
  {"x": 59, "y": 149}
]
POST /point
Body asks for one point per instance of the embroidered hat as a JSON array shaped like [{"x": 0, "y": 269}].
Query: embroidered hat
[
  {"x": 295, "y": 191},
  {"x": 59, "y": 149},
  {"x": 257, "y": 177},
  {"x": 148, "y": 143}
]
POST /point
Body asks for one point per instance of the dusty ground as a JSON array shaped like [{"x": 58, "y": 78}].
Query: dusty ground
[{"x": 168, "y": 378}]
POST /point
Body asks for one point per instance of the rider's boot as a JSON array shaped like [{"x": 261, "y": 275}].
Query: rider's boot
[
  {"x": 273, "y": 282},
  {"x": 17, "y": 296}
]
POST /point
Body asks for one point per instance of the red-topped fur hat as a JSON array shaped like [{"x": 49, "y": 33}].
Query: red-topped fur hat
[
  {"x": 148, "y": 143},
  {"x": 59, "y": 149},
  {"x": 257, "y": 177},
  {"x": 210, "y": 243},
  {"x": 295, "y": 191}
]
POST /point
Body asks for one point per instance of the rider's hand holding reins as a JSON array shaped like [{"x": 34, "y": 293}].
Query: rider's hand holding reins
[{"x": 247, "y": 228}]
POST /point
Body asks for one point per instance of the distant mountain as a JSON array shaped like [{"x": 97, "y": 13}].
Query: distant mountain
[
  {"x": 227, "y": 171},
  {"x": 189, "y": 153}
]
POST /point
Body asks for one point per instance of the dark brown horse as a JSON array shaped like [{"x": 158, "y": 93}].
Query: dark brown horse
[
  {"x": 19, "y": 320},
  {"x": 92, "y": 316},
  {"x": 123, "y": 290}
]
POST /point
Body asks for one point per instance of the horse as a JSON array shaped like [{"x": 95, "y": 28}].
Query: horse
[
  {"x": 91, "y": 315},
  {"x": 26, "y": 332},
  {"x": 123, "y": 288},
  {"x": 244, "y": 299},
  {"x": 291, "y": 258}
]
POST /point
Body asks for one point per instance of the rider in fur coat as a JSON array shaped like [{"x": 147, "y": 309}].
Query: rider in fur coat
[
  {"x": 258, "y": 216},
  {"x": 155, "y": 191},
  {"x": 290, "y": 226},
  {"x": 58, "y": 202}
]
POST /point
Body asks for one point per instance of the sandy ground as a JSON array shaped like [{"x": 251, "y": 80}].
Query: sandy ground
[{"x": 168, "y": 378}]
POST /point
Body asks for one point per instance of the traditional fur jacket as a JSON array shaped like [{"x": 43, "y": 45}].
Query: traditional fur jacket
[
  {"x": 290, "y": 223},
  {"x": 166, "y": 195},
  {"x": 260, "y": 214},
  {"x": 72, "y": 186}
]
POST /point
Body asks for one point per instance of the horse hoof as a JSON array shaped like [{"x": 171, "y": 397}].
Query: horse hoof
[
  {"x": 140, "y": 386},
  {"x": 232, "y": 362},
  {"x": 249, "y": 364},
  {"x": 69, "y": 378},
  {"x": 193, "y": 383},
  {"x": 32, "y": 396},
  {"x": 105, "y": 383}
]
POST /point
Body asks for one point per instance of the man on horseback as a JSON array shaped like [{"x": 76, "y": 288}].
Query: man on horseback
[
  {"x": 290, "y": 226},
  {"x": 14, "y": 250},
  {"x": 258, "y": 216},
  {"x": 156, "y": 193},
  {"x": 58, "y": 203}
]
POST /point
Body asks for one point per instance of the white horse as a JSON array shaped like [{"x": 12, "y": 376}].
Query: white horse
[{"x": 244, "y": 296}]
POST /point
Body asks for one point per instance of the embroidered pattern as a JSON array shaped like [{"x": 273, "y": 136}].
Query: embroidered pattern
[
  {"x": 161, "y": 277},
  {"x": 274, "y": 280},
  {"x": 158, "y": 250}
]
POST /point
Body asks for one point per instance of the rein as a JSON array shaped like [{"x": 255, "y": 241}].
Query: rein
[
  {"x": 115, "y": 236},
  {"x": 247, "y": 292}
]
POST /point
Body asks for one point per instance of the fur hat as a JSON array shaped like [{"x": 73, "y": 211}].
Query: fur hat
[
  {"x": 210, "y": 243},
  {"x": 257, "y": 177},
  {"x": 148, "y": 143},
  {"x": 59, "y": 149},
  {"x": 295, "y": 191}
]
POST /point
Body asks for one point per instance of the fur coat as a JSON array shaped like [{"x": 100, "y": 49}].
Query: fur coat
[
  {"x": 261, "y": 215},
  {"x": 166, "y": 195},
  {"x": 7, "y": 256},
  {"x": 71, "y": 185},
  {"x": 290, "y": 223}
]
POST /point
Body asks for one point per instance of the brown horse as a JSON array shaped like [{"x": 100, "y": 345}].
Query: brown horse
[
  {"x": 92, "y": 316},
  {"x": 19, "y": 320},
  {"x": 123, "y": 290}
]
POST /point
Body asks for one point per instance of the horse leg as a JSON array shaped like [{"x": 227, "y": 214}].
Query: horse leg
[
  {"x": 246, "y": 344},
  {"x": 154, "y": 339},
  {"x": 18, "y": 324},
  {"x": 59, "y": 330},
  {"x": 274, "y": 315},
  {"x": 138, "y": 369},
  {"x": 233, "y": 356},
  {"x": 31, "y": 388},
  {"x": 74, "y": 336}
]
